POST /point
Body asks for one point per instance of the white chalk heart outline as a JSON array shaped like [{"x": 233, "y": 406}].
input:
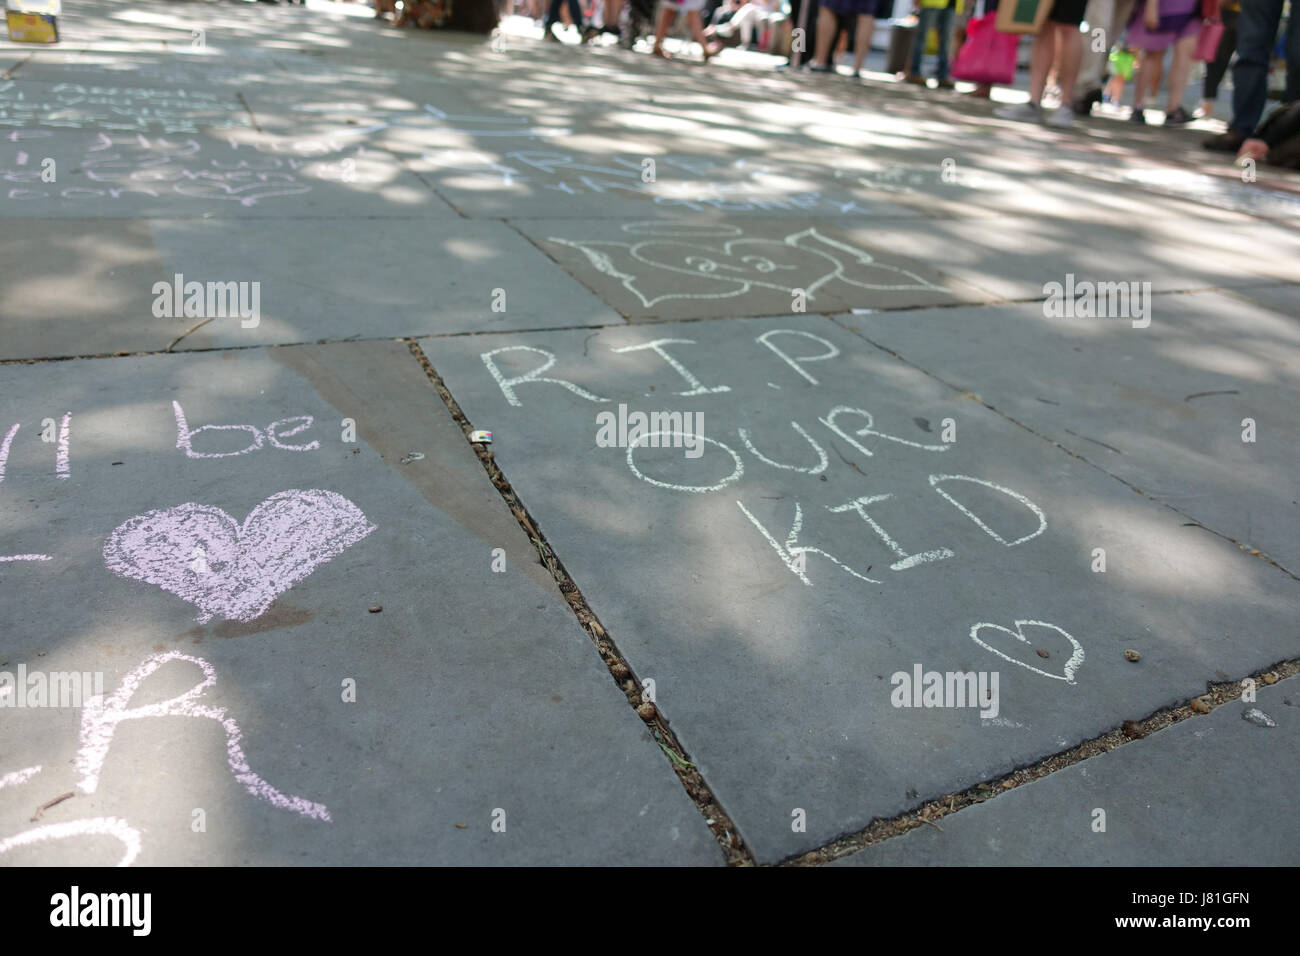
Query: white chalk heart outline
[{"x": 1072, "y": 665}]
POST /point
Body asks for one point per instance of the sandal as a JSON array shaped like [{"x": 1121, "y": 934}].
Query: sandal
[{"x": 1179, "y": 117}]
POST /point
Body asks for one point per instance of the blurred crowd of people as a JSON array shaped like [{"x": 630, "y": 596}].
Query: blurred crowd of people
[{"x": 1086, "y": 52}]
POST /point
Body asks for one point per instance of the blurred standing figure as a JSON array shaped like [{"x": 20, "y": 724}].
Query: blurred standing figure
[
  {"x": 1157, "y": 25},
  {"x": 827, "y": 20},
  {"x": 553, "y": 15},
  {"x": 668, "y": 13},
  {"x": 612, "y": 10},
  {"x": 1257, "y": 24},
  {"x": 937, "y": 14},
  {"x": 1215, "y": 70},
  {"x": 1059, "y": 41},
  {"x": 1111, "y": 17}
]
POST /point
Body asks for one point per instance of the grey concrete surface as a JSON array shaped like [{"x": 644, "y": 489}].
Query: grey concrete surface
[
  {"x": 1162, "y": 407},
  {"x": 1217, "y": 788},
  {"x": 475, "y": 690},
  {"x": 780, "y": 677},
  {"x": 380, "y": 183}
]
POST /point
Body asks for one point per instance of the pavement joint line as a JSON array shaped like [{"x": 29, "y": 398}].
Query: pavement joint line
[
  {"x": 239, "y": 95},
  {"x": 878, "y": 830},
  {"x": 720, "y": 824},
  {"x": 17, "y": 66},
  {"x": 560, "y": 265},
  {"x": 624, "y": 324},
  {"x": 1192, "y": 520}
]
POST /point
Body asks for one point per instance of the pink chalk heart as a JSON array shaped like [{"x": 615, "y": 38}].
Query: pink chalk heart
[{"x": 200, "y": 554}]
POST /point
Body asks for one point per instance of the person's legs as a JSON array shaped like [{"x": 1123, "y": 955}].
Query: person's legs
[
  {"x": 666, "y": 17},
  {"x": 922, "y": 31},
  {"x": 696, "y": 25},
  {"x": 1069, "y": 48},
  {"x": 825, "y": 37},
  {"x": 862, "y": 42},
  {"x": 575, "y": 14},
  {"x": 1092, "y": 63},
  {"x": 1256, "y": 31},
  {"x": 552, "y": 15},
  {"x": 1179, "y": 71},
  {"x": 1215, "y": 70},
  {"x": 1040, "y": 61},
  {"x": 943, "y": 24}
]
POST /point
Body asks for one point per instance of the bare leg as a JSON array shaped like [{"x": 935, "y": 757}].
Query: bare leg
[
  {"x": 1069, "y": 52},
  {"x": 1040, "y": 61},
  {"x": 825, "y": 34},
  {"x": 666, "y": 17},
  {"x": 862, "y": 42},
  {"x": 1179, "y": 71},
  {"x": 696, "y": 26}
]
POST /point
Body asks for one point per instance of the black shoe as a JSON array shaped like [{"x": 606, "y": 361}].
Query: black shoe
[
  {"x": 1179, "y": 117},
  {"x": 1138, "y": 116},
  {"x": 1228, "y": 142},
  {"x": 1084, "y": 104}
]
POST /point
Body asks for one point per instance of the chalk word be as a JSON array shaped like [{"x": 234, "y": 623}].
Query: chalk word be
[
  {"x": 185, "y": 435},
  {"x": 657, "y": 430},
  {"x": 953, "y": 689},
  {"x": 208, "y": 300}
]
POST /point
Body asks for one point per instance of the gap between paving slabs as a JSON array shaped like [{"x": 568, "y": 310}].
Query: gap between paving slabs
[
  {"x": 1217, "y": 694},
  {"x": 879, "y": 829},
  {"x": 719, "y": 823}
]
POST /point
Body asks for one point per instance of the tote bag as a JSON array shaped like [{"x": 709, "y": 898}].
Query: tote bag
[{"x": 987, "y": 56}]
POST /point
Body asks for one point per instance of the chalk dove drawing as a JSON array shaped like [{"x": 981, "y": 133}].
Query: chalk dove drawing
[{"x": 732, "y": 264}]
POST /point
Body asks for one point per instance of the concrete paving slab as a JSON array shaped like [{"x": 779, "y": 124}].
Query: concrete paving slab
[
  {"x": 248, "y": 587},
  {"x": 687, "y": 269},
  {"x": 114, "y": 173},
  {"x": 774, "y": 585},
  {"x": 1161, "y": 407},
  {"x": 1214, "y": 789},
  {"x": 1015, "y": 258},
  {"x": 91, "y": 287}
]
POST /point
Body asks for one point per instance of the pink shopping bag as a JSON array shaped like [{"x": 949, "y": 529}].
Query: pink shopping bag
[
  {"x": 1207, "y": 43},
  {"x": 987, "y": 56}
]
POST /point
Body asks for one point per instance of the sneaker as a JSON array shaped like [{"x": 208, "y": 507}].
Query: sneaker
[
  {"x": 547, "y": 34},
  {"x": 1023, "y": 112},
  {"x": 1228, "y": 142},
  {"x": 1062, "y": 117},
  {"x": 945, "y": 84},
  {"x": 818, "y": 68},
  {"x": 916, "y": 79},
  {"x": 1138, "y": 116},
  {"x": 1179, "y": 117}
]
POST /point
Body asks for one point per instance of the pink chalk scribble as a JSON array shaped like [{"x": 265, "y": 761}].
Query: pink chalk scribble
[
  {"x": 200, "y": 553},
  {"x": 92, "y": 826},
  {"x": 101, "y": 716}
]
